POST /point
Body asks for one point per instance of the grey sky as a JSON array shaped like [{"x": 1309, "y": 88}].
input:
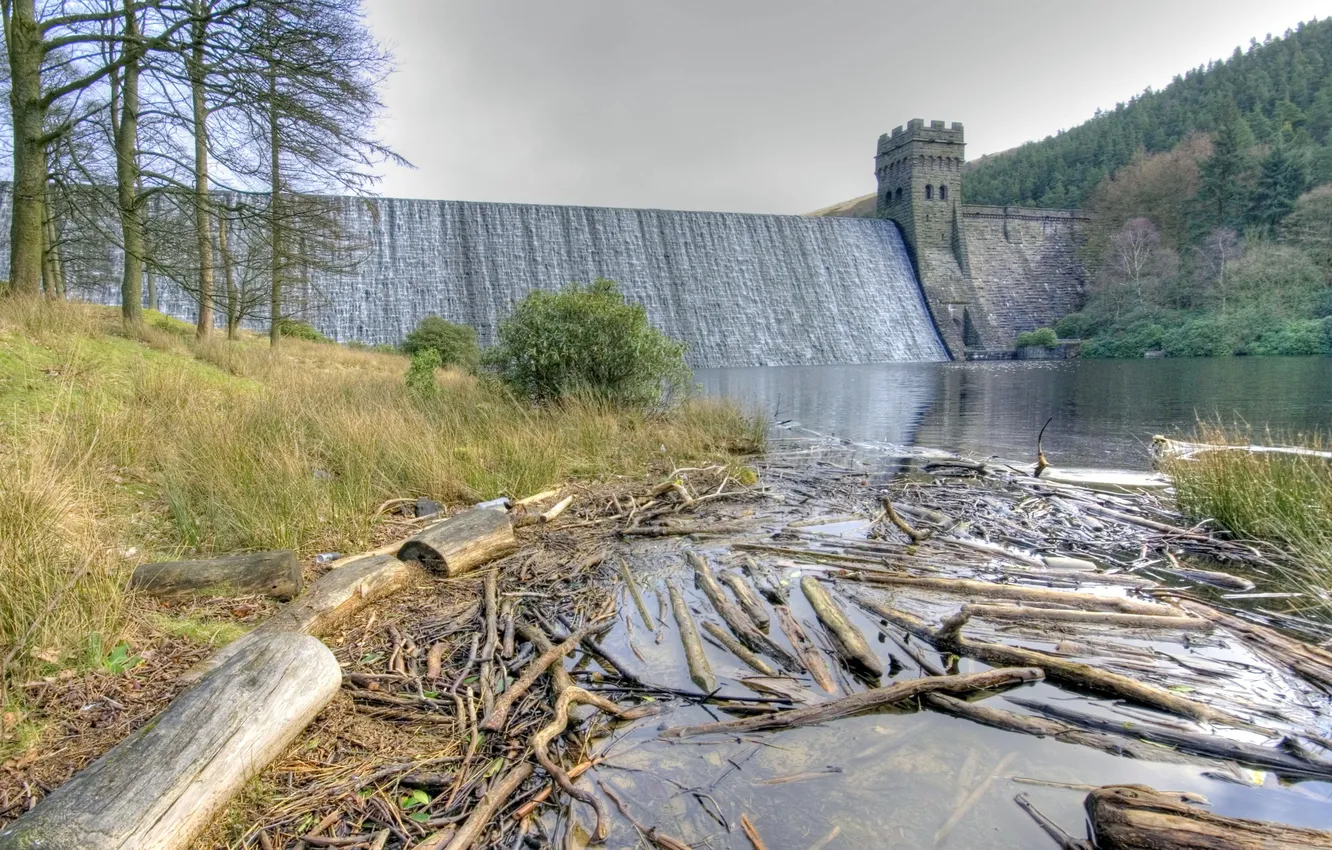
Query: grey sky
[{"x": 770, "y": 106}]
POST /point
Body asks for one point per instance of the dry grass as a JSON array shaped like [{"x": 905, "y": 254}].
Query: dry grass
[
  {"x": 116, "y": 449},
  {"x": 1283, "y": 498}
]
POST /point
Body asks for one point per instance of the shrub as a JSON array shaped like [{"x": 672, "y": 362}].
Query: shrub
[
  {"x": 1040, "y": 336},
  {"x": 455, "y": 343},
  {"x": 295, "y": 329},
  {"x": 1075, "y": 326},
  {"x": 586, "y": 340},
  {"x": 421, "y": 372}
]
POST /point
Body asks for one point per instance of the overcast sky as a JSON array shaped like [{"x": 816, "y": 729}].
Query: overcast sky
[{"x": 769, "y": 106}]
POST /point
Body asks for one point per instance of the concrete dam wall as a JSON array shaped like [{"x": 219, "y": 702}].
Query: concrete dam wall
[{"x": 739, "y": 290}]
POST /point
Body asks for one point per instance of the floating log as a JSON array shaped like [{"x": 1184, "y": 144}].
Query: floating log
[
  {"x": 1026, "y": 614},
  {"x": 1164, "y": 446},
  {"x": 334, "y": 596},
  {"x": 738, "y": 649},
  {"x": 810, "y": 656},
  {"x": 766, "y": 580},
  {"x": 1135, "y": 817},
  {"x": 861, "y": 702},
  {"x": 699, "y": 669},
  {"x": 276, "y": 574},
  {"x": 1079, "y": 675},
  {"x": 749, "y": 601},
  {"x": 738, "y": 620},
  {"x": 461, "y": 543},
  {"x": 1212, "y": 577},
  {"x": 1212, "y": 746},
  {"x": 165, "y": 783},
  {"x": 1312, "y": 662},
  {"x": 970, "y": 587},
  {"x": 1068, "y": 564},
  {"x": 847, "y": 639}
]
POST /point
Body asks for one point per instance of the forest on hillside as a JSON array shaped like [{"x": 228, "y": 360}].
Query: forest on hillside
[{"x": 1211, "y": 206}]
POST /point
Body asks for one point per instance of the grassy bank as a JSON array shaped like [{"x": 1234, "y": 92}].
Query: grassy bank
[
  {"x": 114, "y": 450},
  {"x": 1282, "y": 498}
]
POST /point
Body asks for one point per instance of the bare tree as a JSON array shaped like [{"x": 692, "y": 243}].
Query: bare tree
[{"x": 1216, "y": 256}]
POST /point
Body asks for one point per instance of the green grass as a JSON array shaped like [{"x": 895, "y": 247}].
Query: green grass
[
  {"x": 1282, "y": 498},
  {"x": 120, "y": 447}
]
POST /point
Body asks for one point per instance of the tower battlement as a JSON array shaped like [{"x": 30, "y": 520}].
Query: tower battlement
[{"x": 916, "y": 130}]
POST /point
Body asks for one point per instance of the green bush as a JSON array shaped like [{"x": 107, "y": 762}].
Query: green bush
[
  {"x": 300, "y": 330},
  {"x": 421, "y": 373},
  {"x": 1075, "y": 326},
  {"x": 586, "y": 340},
  {"x": 455, "y": 343},
  {"x": 1040, "y": 336}
]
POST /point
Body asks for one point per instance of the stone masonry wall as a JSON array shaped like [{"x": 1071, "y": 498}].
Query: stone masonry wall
[{"x": 1024, "y": 267}]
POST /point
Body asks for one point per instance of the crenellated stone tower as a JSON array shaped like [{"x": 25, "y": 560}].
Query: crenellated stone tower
[{"x": 987, "y": 272}]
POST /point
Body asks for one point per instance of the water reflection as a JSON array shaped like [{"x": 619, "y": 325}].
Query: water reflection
[{"x": 1105, "y": 411}]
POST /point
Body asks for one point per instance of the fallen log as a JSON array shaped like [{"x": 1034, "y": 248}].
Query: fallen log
[
  {"x": 1135, "y": 817},
  {"x": 809, "y": 654},
  {"x": 334, "y": 596},
  {"x": 847, "y": 639},
  {"x": 970, "y": 587},
  {"x": 1026, "y": 614},
  {"x": 1311, "y": 662},
  {"x": 165, "y": 783},
  {"x": 738, "y": 649},
  {"x": 1212, "y": 577},
  {"x": 276, "y": 574},
  {"x": 766, "y": 580},
  {"x": 738, "y": 620},
  {"x": 461, "y": 543},
  {"x": 949, "y": 637},
  {"x": 749, "y": 602},
  {"x": 861, "y": 702},
  {"x": 1212, "y": 746},
  {"x": 699, "y": 669}
]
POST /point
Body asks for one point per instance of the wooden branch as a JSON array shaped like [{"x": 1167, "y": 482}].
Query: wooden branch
[
  {"x": 1131, "y": 817},
  {"x": 494, "y": 721},
  {"x": 738, "y": 649},
  {"x": 970, "y": 587},
  {"x": 559, "y": 677},
  {"x": 276, "y": 574},
  {"x": 861, "y": 702},
  {"x": 493, "y": 800},
  {"x": 463, "y": 542},
  {"x": 1025, "y": 614},
  {"x": 699, "y": 669},
  {"x": 333, "y": 597},
  {"x": 163, "y": 785},
  {"x": 850, "y": 643}
]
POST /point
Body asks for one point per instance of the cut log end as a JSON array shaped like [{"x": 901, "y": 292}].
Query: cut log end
[{"x": 462, "y": 543}]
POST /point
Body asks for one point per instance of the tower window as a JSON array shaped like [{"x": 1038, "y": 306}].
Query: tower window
[
  {"x": 943, "y": 193},
  {"x": 929, "y": 193},
  {"x": 899, "y": 193}
]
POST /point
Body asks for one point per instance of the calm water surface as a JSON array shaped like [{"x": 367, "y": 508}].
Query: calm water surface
[{"x": 1105, "y": 411}]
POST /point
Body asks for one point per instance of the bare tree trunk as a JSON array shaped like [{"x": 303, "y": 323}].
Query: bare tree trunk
[
  {"x": 127, "y": 176},
  {"x": 23, "y": 39},
  {"x": 152, "y": 288},
  {"x": 275, "y": 213},
  {"x": 229, "y": 275},
  {"x": 202, "y": 214}
]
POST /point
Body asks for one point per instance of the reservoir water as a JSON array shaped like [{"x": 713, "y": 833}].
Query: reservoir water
[{"x": 1104, "y": 411}]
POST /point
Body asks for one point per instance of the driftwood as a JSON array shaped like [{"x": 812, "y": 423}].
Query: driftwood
[
  {"x": 1312, "y": 662},
  {"x": 494, "y": 799},
  {"x": 748, "y": 600},
  {"x": 463, "y": 542},
  {"x": 559, "y": 677},
  {"x": 276, "y": 574},
  {"x": 1164, "y": 446},
  {"x": 622, "y": 667},
  {"x": 1135, "y": 817},
  {"x": 738, "y": 649},
  {"x": 1079, "y": 675},
  {"x": 541, "y": 741},
  {"x": 334, "y": 596},
  {"x": 160, "y": 787},
  {"x": 1052, "y": 829},
  {"x": 859, "y": 703},
  {"x": 1213, "y": 746},
  {"x": 847, "y": 639},
  {"x": 1026, "y": 614},
  {"x": 1212, "y": 577},
  {"x": 970, "y": 587},
  {"x": 809, "y": 654},
  {"x": 494, "y": 721},
  {"x": 766, "y": 580},
  {"x": 699, "y": 669},
  {"x": 738, "y": 620}
]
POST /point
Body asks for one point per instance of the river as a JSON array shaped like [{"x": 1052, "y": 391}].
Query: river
[{"x": 1105, "y": 412}]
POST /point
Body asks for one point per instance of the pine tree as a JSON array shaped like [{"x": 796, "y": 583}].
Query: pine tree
[
  {"x": 1283, "y": 178},
  {"x": 1222, "y": 194}
]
